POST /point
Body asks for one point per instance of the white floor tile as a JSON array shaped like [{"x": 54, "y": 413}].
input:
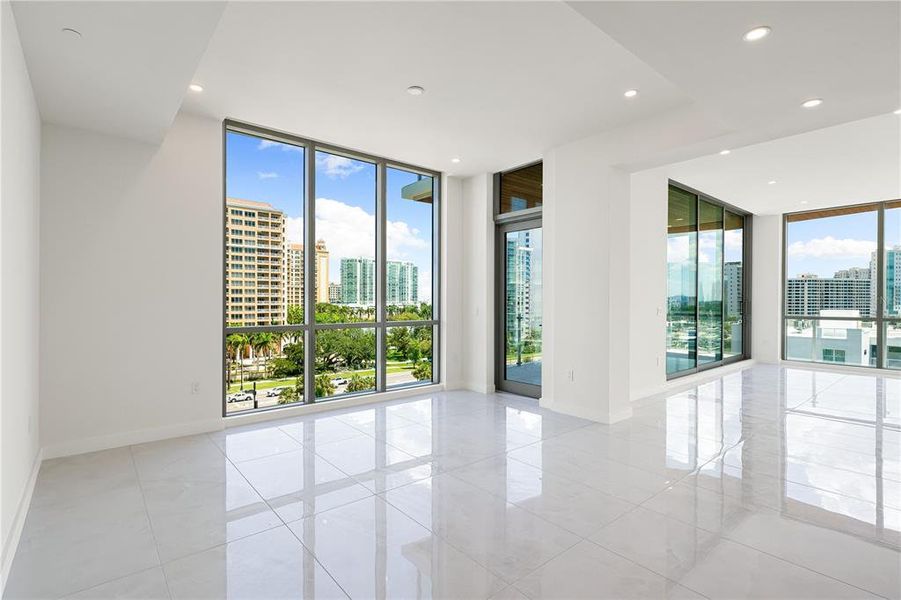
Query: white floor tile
[
  {"x": 375, "y": 551},
  {"x": 769, "y": 482},
  {"x": 268, "y": 565}
]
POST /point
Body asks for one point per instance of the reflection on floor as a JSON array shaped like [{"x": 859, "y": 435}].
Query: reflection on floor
[
  {"x": 527, "y": 372},
  {"x": 768, "y": 482}
]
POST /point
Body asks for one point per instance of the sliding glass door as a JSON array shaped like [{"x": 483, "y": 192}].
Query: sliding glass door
[
  {"x": 706, "y": 282},
  {"x": 520, "y": 367},
  {"x": 518, "y": 202}
]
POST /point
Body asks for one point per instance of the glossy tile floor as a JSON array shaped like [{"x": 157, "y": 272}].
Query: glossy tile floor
[{"x": 768, "y": 482}]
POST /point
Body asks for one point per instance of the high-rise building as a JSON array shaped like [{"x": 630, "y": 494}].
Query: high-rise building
[
  {"x": 322, "y": 273},
  {"x": 402, "y": 280},
  {"x": 294, "y": 272},
  {"x": 732, "y": 272},
  {"x": 334, "y": 293},
  {"x": 358, "y": 282},
  {"x": 519, "y": 289},
  {"x": 254, "y": 264},
  {"x": 892, "y": 279},
  {"x": 853, "y": 273},
  {"x": 808, "y": 294}
]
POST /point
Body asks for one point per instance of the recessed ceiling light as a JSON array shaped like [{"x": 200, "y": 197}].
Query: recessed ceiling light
[
  {"x": 415, "y": 90},
  {"x": 758, "y": 33},
  {"x": 71, "y": 33},
  {"x": 455, "y": 160},
  {"x": 631, "y": 93},
  {"x": 725, "y": 152},
  {"x": 771, "y": 182},
  {"x": 195, "y": 87},
  {"x": 803, "y": 201},
  {"x": 812, "y": 103},
  {"x": 898, "y": 112}
]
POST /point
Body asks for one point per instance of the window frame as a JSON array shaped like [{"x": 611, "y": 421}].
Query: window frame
[
  {"x": 881, "y": 319},
  {"x": 746, "y": 266},
  {"x": 309, "y": 326}
]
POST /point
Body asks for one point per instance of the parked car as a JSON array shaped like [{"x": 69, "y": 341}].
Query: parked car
[
  {"x": 241, "y": 396},
  {"x": 274, "y": 392},
  {"x": 339, "y": 381}
]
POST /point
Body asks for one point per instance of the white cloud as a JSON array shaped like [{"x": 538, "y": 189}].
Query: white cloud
[
  {"x": 677, "y": 249},
  {"x": 266, "y": 144},
  {"x": 734, "y": 239},
  {"x": 402, "y": 238},
  {"x": 337, "y": 166},
  {"x": 829, "y": 247},
  {"x": 267, "y": 174}
]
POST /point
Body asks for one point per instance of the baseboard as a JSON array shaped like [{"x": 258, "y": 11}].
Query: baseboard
[
  {"x": 590, "y": 415},
  {"x": 482, "y": 388},
  {"x": 682, "y": 383},
  {"x": 128, "y": 438},
  {"x": 15, "y": 532}
]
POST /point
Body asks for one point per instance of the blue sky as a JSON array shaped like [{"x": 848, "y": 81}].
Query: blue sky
[
  {"x": 824, "y": 246},
  {"x": 272, "y": 172}
]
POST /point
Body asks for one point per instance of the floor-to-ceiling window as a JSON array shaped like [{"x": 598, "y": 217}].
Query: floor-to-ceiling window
[
  {"x": 707, "y": 279},
  {"x": 323, "y": 249},
  {"x": 518, "y": 201},
  {"x": 842, "y": 292}
]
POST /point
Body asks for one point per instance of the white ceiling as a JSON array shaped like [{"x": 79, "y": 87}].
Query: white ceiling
[
  {"x": 505, "y": 81},
  {"x": 128, "y": 72},
  {"x": 845, "y": 164}
]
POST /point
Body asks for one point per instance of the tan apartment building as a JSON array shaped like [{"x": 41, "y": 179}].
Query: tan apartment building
[
  {"x": 294, "y": 272},
  {"x": 254, "y": 264}
]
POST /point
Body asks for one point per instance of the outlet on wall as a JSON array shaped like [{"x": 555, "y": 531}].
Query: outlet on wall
[
  {"x": 571, "y": 375},
  {"x": 195, "y": 387}
]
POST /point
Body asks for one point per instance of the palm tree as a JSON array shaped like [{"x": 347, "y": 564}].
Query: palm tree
[
  {"x": 235, "y": 345},
  {"x": 263, "y": 343}
]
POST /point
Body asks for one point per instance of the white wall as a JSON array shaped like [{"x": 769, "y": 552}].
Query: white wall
[
  {"x": 20, "y": 153},
  {"x": 131, "y": 280},
  {"x": 477, "y": 284}
]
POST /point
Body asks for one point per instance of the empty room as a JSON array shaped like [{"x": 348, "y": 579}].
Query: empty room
[{"x": 512, "y": 300}]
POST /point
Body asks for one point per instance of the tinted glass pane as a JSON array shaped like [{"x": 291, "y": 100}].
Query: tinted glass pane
[
  {"x": 710, "y": 283},
  {"x": 521, "y": 189},
  {"x": 345, "y": 361},
  {"x": 408, "y": 351},
  {"x": 345, "y": 239},
  {"x": 522, "y": 306},
  {"x": 263, "y": 369},
  {"x": 681, "y": 257},
  {"x": 733, "y": 247},
  {"x": 264, "y": 207},
  {"x": 408, "y": 273}
]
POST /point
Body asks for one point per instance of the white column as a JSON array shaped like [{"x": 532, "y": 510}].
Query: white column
[
  {"x": 586, "y": 235},
  {"x": 766, "y": 289}
]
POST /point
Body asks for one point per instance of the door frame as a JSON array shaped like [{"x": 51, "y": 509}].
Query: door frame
[{"x": 501, "y": 383}]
